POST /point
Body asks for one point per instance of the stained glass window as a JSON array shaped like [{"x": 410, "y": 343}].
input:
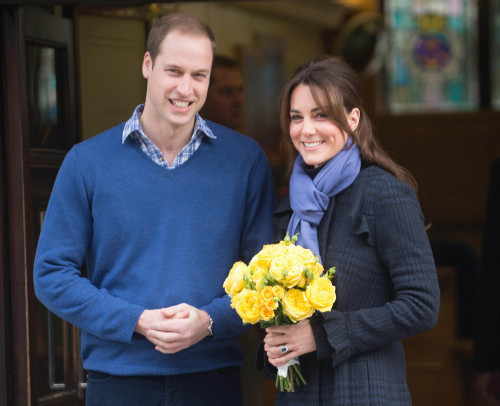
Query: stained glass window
[
  {"x": 495, "y": 53},
  {"x": 432, "y": 59}
]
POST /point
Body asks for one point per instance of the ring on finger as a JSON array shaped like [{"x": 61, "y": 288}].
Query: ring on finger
[{"x": 284, "y": 349}]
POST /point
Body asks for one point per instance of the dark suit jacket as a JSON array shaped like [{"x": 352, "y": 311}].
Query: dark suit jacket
[{"x": 373, "y": 233}]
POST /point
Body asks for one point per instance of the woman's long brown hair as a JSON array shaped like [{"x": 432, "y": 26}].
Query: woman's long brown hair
[{"x": 335, "y": 88}]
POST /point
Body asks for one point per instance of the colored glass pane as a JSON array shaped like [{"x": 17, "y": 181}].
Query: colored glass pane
[{"x": 432, "y": 60}]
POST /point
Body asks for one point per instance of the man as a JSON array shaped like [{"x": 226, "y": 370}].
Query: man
[
  {"x": 160, "y": 207},
  {"x": 224, "y": 103}
]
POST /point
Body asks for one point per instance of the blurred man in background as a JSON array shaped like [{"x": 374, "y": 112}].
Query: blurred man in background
[{"x": 224, "y": 104}]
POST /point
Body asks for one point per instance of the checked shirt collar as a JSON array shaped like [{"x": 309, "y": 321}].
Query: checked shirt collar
[{"x": 134, "y": 130}]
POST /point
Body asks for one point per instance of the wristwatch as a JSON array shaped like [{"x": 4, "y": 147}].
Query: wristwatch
[{"x": 211, "y": 328}]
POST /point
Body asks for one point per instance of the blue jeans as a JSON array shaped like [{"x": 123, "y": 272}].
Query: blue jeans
[{"x": 221, "y": 387}]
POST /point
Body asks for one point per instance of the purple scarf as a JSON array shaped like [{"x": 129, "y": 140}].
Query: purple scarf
[{"x": 309, "y": 198}]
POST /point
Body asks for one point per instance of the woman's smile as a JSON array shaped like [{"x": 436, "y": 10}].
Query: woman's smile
[{"x": 313, "y": 144}]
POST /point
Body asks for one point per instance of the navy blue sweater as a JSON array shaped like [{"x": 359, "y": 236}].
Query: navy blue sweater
[{"x": 151, "y": 238}]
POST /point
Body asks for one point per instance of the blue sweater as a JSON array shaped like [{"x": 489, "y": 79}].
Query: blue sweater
[{"x": 151, "y": 238}]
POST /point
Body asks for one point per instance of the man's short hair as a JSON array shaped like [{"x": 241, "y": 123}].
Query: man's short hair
[{"x": 184, "y": 23}]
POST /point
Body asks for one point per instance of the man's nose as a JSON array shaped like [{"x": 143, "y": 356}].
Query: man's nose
[{"x": 185, "y": 85}]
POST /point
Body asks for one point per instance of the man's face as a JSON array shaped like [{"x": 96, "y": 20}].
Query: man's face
[
  {"x": 178, "y": 80},
  {"x": 224, "y": 103}
]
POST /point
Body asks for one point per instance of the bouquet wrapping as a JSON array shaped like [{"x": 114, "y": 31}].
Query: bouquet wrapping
[{"x": 283, "y": 284}]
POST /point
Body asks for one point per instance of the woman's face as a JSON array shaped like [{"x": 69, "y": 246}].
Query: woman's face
[{"x": 316, "y": 137}]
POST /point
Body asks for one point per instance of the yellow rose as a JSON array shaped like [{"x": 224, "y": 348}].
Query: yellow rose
[
  {"x": 258, "y": 276},
  {"x": 279, "y": 291},
  {"x": 268, "y": 296},
  {"x": 294, "y": 269},
  {"x": 234, "y": 282},
  {"x": 271, "y": 304},
  {"x": 278, "y": 267},
  {"x": 321, "y": 294},
  {"x": 305, "y": 255},
  {"x": 258, "y": 262},
  {"x": 302, "y": 282},
  {"x": 316, "y": 268},
  {"x": 249, "y": 306},
  {"x": 296, "y": 306},
  {"x": 266, "y": 254},
  {"x": 236, "y": 298},
  {"x": 267, "y": 293},
  {"x": 266, "y": 314}
]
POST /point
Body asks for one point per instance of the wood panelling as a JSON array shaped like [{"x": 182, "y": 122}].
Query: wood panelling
[
  {"x": 439, "y": 363},
  {"x": 450, "y": 155}
]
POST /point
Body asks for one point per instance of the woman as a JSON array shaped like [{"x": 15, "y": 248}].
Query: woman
[{"x": 351, "y": 204}]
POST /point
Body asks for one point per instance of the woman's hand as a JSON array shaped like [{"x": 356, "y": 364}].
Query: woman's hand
[{"x": 297, "y": 338}]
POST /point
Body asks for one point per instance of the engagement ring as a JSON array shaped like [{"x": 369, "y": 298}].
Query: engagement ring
[{"x": 284, "y": 349}]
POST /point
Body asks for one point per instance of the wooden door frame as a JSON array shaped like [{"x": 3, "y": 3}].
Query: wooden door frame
[
  {"x": 19, "y": 250},
  {"x": 5, "y": 308}
]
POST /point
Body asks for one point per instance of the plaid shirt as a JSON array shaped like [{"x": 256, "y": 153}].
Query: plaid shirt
[{"x": 134, "y": 130}]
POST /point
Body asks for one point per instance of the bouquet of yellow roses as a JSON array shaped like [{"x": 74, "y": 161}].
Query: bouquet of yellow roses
[{"x": 283, "y": 284}]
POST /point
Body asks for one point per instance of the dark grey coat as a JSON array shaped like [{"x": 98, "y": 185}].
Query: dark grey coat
[{"x": 373, "y": 233}]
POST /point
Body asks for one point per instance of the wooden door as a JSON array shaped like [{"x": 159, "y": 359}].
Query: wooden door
[{"x": 39, "y": 128}]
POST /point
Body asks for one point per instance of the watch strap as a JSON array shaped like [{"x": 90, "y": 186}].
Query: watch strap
[{"x": 211, "y": 329}]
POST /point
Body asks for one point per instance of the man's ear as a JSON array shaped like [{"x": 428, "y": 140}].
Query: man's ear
[{"x": 147, "y": 65}]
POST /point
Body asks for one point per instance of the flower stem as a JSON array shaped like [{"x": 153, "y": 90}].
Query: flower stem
[{"x": 299, "y": 374}]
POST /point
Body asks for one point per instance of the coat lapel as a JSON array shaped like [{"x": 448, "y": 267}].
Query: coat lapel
[
  {"x": 281, "y": 217},
  {"x": 324, "y": 229}
]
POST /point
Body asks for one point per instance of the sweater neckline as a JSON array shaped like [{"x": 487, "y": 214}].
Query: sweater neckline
[{"x": 160, "y": 169}]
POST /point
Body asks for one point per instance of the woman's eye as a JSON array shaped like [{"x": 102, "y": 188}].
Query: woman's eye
[{"x": 295, "y": 117}]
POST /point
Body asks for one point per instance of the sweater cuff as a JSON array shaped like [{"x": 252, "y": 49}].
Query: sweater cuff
[
  {"x": 227, "y": 323},
  {"x": 129, "y": 323},
  {"x": 323, "y": 349},
  {"x": 335, "y": 326}
]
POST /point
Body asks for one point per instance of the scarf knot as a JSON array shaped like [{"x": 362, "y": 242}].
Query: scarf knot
[{"x": 309, "y": 198}]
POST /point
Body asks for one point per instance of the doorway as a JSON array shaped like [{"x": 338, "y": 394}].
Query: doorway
[{"x": 39, "y": 117}]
